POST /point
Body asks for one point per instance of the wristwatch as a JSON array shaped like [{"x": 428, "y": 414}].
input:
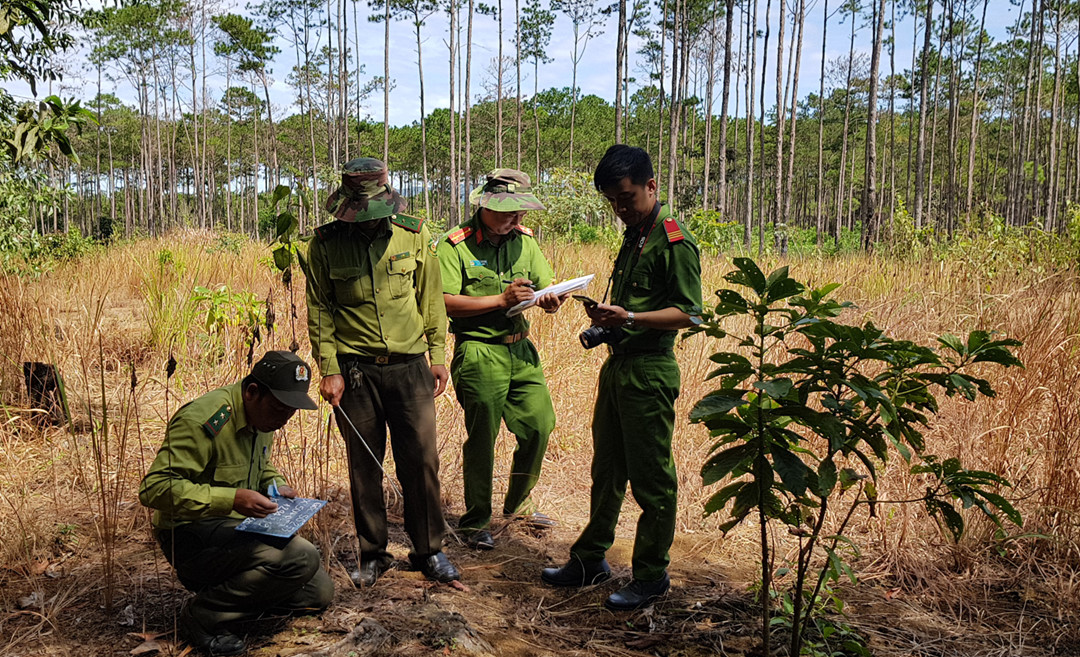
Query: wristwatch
[{"x": 629, "y": 319}]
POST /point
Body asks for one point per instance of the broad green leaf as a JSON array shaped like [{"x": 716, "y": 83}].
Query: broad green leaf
[
  {"x": 720, "y": 465},
  {"x": 782, "y": 289},
  {"x": 286, "y": 225},
  {"x": 952, "y": 342},
  {"x": 715, "y": 403},
  {"x": 282, "y": 258},
  {"x": 281, "y": 192},
  {"x": 777, "y": 388},
  {"x": 826, "y": 477},
  {"x": 720, "y": 499},
  {"x": 1004, "y": 506},
  {"x": 748, "y": 275},
  {"x": 791, "y": 469}
]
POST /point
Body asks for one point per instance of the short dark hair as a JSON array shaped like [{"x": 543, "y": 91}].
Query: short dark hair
[
  {"x": 249, "y": 379},
  {"x": 622, "y": 161}
]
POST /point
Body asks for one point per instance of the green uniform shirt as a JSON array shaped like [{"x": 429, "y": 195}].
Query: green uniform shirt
[
  {"x": 209, "y": 452},
  {"x": 473, "y": 266},
  {"x": 374, "y": 295},
  {"x": 657, "y": 267}
]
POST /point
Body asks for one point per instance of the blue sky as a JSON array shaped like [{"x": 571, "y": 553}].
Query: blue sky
[{"x": 595, "y": 74}]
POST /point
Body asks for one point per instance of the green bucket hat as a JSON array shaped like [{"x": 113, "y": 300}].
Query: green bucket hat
[
  {"x": 365, "y": 193},
  {"x": 506, "y": 190}
]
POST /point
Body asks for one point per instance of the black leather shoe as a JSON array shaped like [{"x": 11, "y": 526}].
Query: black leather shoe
[
  {"x": 577, "y": 573},
  {"x": 480, "y": 539},
  {"x": 435, "y": 567},
  {"x": 638, "y": 594},
  {"x": 369, "y": 571},
  {"x": 209, "y": 641}
]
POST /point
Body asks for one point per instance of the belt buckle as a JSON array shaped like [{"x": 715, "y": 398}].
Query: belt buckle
[{"x": 382, "y": 360}]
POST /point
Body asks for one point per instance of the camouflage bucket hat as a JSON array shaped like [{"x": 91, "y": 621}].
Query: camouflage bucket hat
[
  {"x": 365, "y": 193},
  {"x": 506, "y": 190}
]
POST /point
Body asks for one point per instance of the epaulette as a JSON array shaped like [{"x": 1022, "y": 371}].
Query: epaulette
[
  {"x": 217, "y": 421},
  {"x": 411, "y": 224},
  {"x": 460, "y": 234},
  {"x": 673, "y": 230},
  {"x": 326, "y": 231},
  {"x": 523, "y": 229}
]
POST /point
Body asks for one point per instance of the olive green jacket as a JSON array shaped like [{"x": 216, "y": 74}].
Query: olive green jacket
[
  {"x": 374, "y": 295},
  {"x": 209, "y": 452},
  {"x": 474, "y": 267},
  {"x": 657, "y": 267}
]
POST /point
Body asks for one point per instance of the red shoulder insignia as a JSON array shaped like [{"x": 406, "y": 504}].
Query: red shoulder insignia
[
  {"x": 674, "y": 232},
  {"x": 523, "y": 229},
  {"x": 457, "y": 236}
]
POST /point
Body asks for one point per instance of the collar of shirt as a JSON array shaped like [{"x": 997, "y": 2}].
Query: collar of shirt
[
  {"x": 482, "y": 237},
  {"x": 238, "y": 416},
  {"x": 383, "y": 228},
  {"x": 631, "y": 234}
]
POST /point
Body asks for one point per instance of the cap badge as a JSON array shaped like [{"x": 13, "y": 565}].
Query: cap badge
[{"x": 302, "y": 373}]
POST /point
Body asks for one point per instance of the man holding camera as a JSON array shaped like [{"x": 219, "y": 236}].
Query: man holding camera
[
  {"x": 655, "y": 290},
  {"x": 490, "y": 264}
]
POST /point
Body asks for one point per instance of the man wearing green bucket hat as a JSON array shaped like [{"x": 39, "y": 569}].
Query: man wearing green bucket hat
[
  {"x": 375, "y": 309},
  {"x": 489, "y": 264}
]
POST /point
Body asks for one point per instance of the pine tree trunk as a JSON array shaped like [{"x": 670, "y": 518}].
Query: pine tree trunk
[
  {"x": 973, "y": 134},
  {"x": 870, "y": 228},
  {"x": 721, "y": 200},
  {"x": 920, "y": 150}
]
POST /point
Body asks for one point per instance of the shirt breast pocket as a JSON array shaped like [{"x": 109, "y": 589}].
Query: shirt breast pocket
[
  {"x": 348, "y": 284},
  {"x": 480, "y": 280},
  {"x": 639, "y": 284},
  {"x": 401, "y": 276},
  {"x": 231, "y": 475}
]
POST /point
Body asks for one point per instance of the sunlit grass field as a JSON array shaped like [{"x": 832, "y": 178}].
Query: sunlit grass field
[{"x": 112, "y": 320}]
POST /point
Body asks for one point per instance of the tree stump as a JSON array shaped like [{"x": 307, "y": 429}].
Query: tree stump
[{"x": 45, "y": 388}]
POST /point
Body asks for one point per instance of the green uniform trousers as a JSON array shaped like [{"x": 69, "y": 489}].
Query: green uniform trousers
[
  {"x": 239, "y": 575},
  {"x": 496, "y": 383},
  {"x": 632, "y": 426},
  {"x": 400, "y": 395}
]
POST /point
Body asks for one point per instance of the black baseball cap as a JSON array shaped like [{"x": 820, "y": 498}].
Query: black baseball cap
[{"x": 287, "y": 376}]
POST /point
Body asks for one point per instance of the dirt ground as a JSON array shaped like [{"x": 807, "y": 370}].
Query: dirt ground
[{"x": 503, "y": 608}]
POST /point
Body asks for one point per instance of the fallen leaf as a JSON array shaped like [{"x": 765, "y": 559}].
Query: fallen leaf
[
  {"x": 28, "y": 601},
  {"x": 146, "y": 647},
  {"x": 459, "y": 586},
  {"x": 892, "y": 593}
]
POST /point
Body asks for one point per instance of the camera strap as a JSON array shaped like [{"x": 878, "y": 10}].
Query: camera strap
[{"x": 645, "y": 231}]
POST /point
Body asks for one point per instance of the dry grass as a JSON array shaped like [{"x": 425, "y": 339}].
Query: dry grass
[{"x": 61, "y": 501}]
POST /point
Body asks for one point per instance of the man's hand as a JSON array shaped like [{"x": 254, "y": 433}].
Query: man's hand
[
  {"x": 441, "y": 377},
  {"x": 253, "y": 504},
  {"x": 286, "y": 490},
  {"x": 551, "y": 302},
  {"x": 518, "y": 291},
  {"x": 331, "y": 388},
  {"x": 604, "y": 315}
]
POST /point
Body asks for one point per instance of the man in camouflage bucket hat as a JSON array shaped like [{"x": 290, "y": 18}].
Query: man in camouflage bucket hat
[
  {"x": 489, "y": 264},
  {"x": 374, "y": 310},
  {"x": 365, "y": 193}
]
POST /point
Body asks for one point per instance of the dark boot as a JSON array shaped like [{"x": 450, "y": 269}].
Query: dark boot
[
  {"x": 205, "y": 637},
  {"x": 577, "y": 573},
  {"x": 638, "y": 594}
]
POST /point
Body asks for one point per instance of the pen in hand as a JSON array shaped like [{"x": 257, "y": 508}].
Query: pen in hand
[{"x": 528, "y": 285}]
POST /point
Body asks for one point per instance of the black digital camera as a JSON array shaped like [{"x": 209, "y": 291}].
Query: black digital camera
[{"x": 594, "y": 336}]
